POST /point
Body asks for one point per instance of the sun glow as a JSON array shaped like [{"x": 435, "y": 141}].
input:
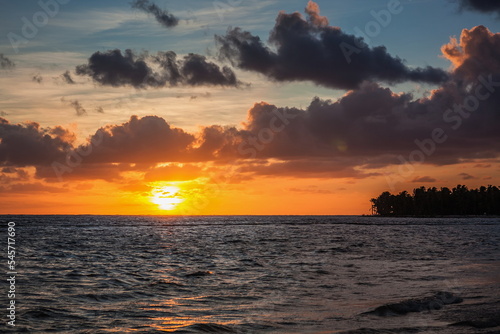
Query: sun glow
[{"x": 167, "y": 197}]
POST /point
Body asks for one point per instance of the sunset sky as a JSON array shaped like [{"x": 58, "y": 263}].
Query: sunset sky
[{"x": 243, "y": 106}]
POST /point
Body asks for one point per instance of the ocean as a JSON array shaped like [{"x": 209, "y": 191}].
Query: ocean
[{"x": 253, "y": 274}]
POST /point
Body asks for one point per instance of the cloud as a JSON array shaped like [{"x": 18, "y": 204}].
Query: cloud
[
  {"x": 305, "y": 168},
  {"x": 11, "y": 174},
  {"x": 29, "y": 144},
  {"x": 308, "y": 49},
  {"x": 374, "y": 127},
  {"x": 483, "y": 6},
  {"x": 140, "y": 140},
  {"x": 31, "y": 187},
  {"x": 197, "y": 71},
  {"x": 6, "y": 63},
  {"x": 363, "y": 123},
  {"x": 163, "y": 17},
  {"x": 466, "y": 176},
  {"x": 423, "y": 179},
  {"x": 312, "y": 11},
  {"x": 79, "y": 109},
  {"x": 477, "y": 53},
  {"x": 37, "y": 78},
  {"x": 115, "y": 69},
  {"x": 66, "y": 76}
]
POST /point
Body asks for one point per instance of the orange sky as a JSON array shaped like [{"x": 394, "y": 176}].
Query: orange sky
[{"x": 280, "y": 196}]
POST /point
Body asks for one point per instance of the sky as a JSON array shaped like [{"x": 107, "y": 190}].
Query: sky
[{"x": 244, "y": 106}]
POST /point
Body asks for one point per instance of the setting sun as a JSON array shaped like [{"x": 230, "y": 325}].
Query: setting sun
[{"x": 166, "y": 197}]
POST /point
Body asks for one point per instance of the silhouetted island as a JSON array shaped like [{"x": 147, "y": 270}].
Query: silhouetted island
[{"x": 443, "y": 202}]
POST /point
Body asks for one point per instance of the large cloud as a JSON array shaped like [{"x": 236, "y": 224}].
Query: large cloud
[
  {"x": 29, "y": 144},
  {"x": 147, "y": 139},
  {"x": 163, "y": 17},
  {"x": 115, "y": 69},
  {"x": 308, "y": 49},
  {"x": 372, "y": 126}
]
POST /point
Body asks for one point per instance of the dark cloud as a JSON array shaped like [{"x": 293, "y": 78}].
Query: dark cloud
[
  {"x": 115, "y": 69},
  {"x": 66, "y": 76},
  {"x": 37, "y": 78},
  {"x": 484, "y": 6},
  {"x": 372, "y": 126},
  {"x": 308, "y": 49},
  {"x": 30, "y": 145},
  {"x": 197, "y": 71},
  {"x": 140, "y": 140},
  {"x": 216, "y": 142},
  {"x": 363, "y": 123},
  {"x": 6, "y": 63},
  {"x": 163, "y": 17},
  {"x": 424, "y": 179}
]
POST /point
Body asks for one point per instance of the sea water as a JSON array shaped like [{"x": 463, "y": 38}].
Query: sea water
[{"x": 254, "y": 274}]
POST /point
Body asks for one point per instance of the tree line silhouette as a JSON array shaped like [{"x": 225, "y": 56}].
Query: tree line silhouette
[{"x": 433, "y": 202}]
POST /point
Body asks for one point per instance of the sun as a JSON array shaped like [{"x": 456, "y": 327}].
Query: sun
[{"x": 167, "y": 197}]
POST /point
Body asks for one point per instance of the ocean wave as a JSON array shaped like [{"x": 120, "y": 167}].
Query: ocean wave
[{"x": 431, "y": 303}]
